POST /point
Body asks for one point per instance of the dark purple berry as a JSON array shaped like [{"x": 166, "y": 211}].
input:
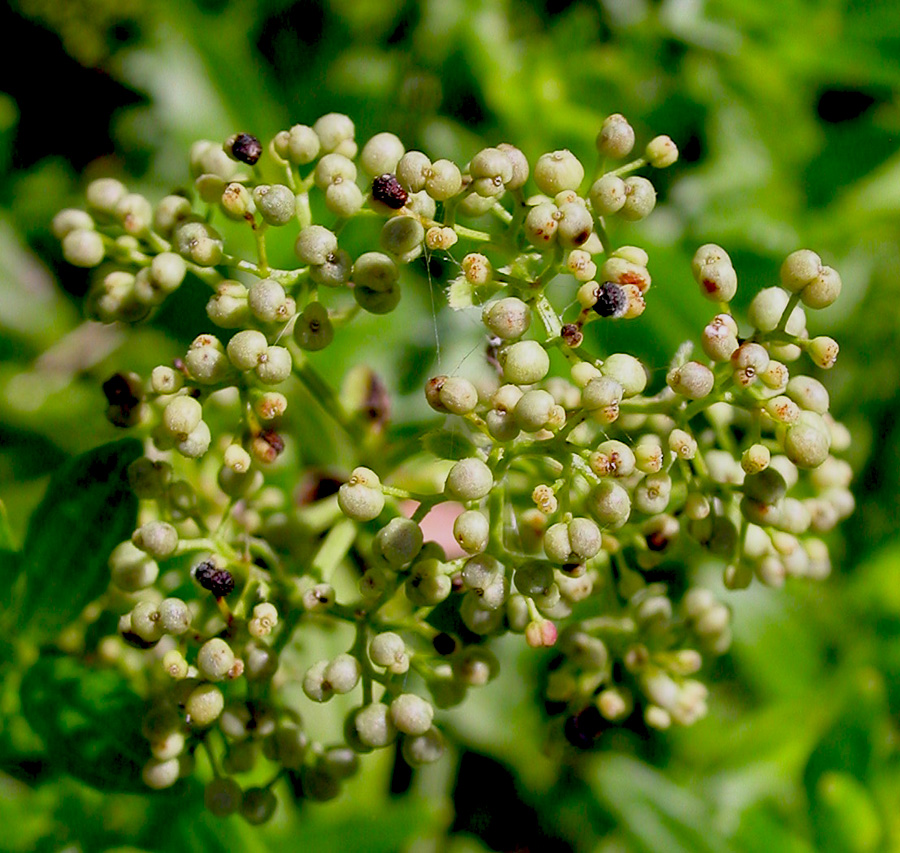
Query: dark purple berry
[
  {"x": 244, "y": 147},
  {"x": 387, "y": 190},
  {"x": 611, "y": 300},
  {"x": 444, "y": 644},
  {"x": 218, "y": 581},
  {"x": 583, "y": 729},
  {"x": 121, "y": 390},
  {"x": 571, "y": 335}
]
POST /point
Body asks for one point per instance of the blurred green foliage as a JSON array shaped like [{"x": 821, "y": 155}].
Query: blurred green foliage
[{"x": 787, "y": 113}]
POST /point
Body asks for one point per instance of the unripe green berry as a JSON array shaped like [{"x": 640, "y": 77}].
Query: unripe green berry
[
  {"x": 612, "y": 459},
  {"x": 541, "y": 224},
  {"x": 557, "y": 171},
  {"x": 335, "y": 272},
  {"x": 159, "y": 774},
  {"x": 469, "y": 480},
  {"x": 195, "y": 443},
  {"x": 575, "y": 225},
  {"x": 426, "y": 748},
  {"x": 640, "y": 199},
  {"x": 343, "y": 673},
  {"x": 755, "y": 458},
  {"x": 719, "y": 339},
  {"x": 314, "y": 244},
  {"x": 809, "y": 394},
  {"x": 524, "y": 362},
  {"x": 267, "y": 299},
  {"x": 381, "y": 154},
  {"x": 134, "y": 213},
  {"x": 692, "y": 380},
  {"x": 274, "y": 366},
  {"x": 401, "y": 235},
  {"x": 373, "y": 725},
  {"x": 661, "y": 152},
  {"x": 228, "y": 307},
  {"x": 174, "y": 663},
  {"x": 507, "y": 318},
  {"x": 603, "y": 392},
  {"x": 807, "y": 443},
  {"x": 444, "y": 181},
  {"x": 413, "y": 171},
  {"x": 616, "y": 137},
  {"x": 767, "y": 307},
  {"x": 258, "y": 805},
  {"x": 748, "y": 361},
  {"x": 457, "y": 395},
  {"x": 361, "y": 498},
  {"x": 334, "y": 169},
  {"x": 156, "y": 538},
  {"x": 399, "y": 542},
  {"x": 215, "y": 659},
  {"x": 83, "y": 248},
  {"x": 332, "y": 129},
  {"x": 198, "y": 242},
  {"x": 610, "y": 504},
  {"x": 375, "y": 271},
  {"x": 388, "y": 649},
  {"x": 766, "y": 486},
  {"x": 275, "y": 203},
  {"x": 174, "y": 616},
  {"x": 313, "y": 330},
  {"x": 627, "y": 371},
  {"x": 823, "y": 351},
  {"x": 145, "y": 621},
  {"x": 608, "y": 195},
  {"x": 302, "y": 145},
  {"x": 171, "y": 210},
  {"x": 534, "y": 409},
  {"x": 520, "y": 168},
  {"x": 823, "y": 290},
  {"x": 246, "y": 348},
  {"x": 411, "y": 714},
  {"x": 131, "y": 569},
  {"x": 718, "y": 281},
  {"x": 472, "y": 530},
  {"x": 799, "y": 269},
  {"x": 104, "y": 194},
  {"x": 69, "y": 220},
  {"x": 651, "y": 495},
  {"x": 222, "y": 796}
]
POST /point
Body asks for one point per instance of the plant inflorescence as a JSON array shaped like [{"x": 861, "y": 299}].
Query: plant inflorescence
[{"x": 567, "y": 481}]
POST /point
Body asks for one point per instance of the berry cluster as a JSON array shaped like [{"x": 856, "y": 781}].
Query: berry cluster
[{"x": 572, "y": 492}]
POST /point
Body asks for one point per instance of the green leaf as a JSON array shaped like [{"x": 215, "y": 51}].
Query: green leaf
[
  {"x": 448, "y": 445},
  {"x": 87, "y": 510},
  {"x": 89, "y": 721},
  {"x": 6, "y": 535},
  {"x": 846, "y": 816},
  {"x": 655, "y": 813}
]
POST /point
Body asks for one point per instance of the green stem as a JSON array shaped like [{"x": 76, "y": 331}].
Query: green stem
[
  {"x": 333, "y": 549},
  {"x": 628, "y": 168},
  {"x": 324, "y": 394},
  {"x": 788, "y": 310}
]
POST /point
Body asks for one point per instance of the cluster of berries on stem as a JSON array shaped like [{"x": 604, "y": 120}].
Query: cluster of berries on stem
[{"x": 578, "y": 480}]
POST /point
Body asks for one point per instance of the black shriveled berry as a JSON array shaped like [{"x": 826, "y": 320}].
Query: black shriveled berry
[
  {"x": 246, "y": 148},
  {"x": 611, "y": 300},
  {"x": 571, "y": 335},
  {"x": 120, "y": 391},
  {"x": 387, "y": 190},
  {"x": 583, "y": 728},
  {"x": 444, "y": 644},
  {"x": 218, "y": 581}
]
